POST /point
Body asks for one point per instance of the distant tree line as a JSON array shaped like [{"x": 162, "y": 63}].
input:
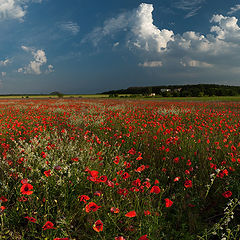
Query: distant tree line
[{"x": 198, "y": 90}]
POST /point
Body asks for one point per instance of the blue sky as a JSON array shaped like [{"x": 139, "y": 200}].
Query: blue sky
[{"x": 91, "y": 46}]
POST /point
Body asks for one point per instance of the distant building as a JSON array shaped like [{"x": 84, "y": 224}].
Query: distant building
[
  {"x": 177, "y": 90},
  {"x": 152, "y": 94},
  {"x": 165, "y": 90}
]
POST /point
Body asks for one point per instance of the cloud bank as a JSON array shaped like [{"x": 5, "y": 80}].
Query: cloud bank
[{"x": 215, "y": 50}]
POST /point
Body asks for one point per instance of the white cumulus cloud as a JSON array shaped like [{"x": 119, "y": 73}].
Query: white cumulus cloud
[
  {"x": 139, "y": 24},
  {"x": 39, "y": 60},
  {"x": 227, "y": 28},
  {"x": 14, "y": 9},
  {"x": 214, "y": 52}
]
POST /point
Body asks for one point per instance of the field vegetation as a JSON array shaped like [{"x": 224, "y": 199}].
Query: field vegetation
[{"x": 119, "y": 169}]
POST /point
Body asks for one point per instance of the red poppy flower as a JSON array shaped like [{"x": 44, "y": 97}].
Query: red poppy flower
[
  {"x": 176, "y": 179},
  {"x": 92, "y": 207},
  {"x": 116, "y": 161},
  {"x": 83, "y": 198},
  {"x": 3, "y": 199},
  {"x": 146, "y": 213},
  {"x": 22, "y": 199},
  {"x": 48, "y": 225},
  {"x": 227, "y": 194},
  {"x": 168, "y": 202},
  {"x": 31, "y": 219},
  {"x": 155, "y": 189},
  {"x": 25, "y": 189},
  {"x": 188, "y": 183},
  {"x": 131, "y": 214},
  {"x": 156, "y": 182},
  {"x": 125, "y": 175},
  {"x": 114, "y": 210},
  {"x": 102, "y": 179},
  {"x": 110, "y": 183},
  {"x": 2, "y": 208},
  {"x": 61, "y": 238},
  {"x": 119, "y": 238},
  {"x": 98, "y": 193},
  {"x": 93, "y": 173},
  {"x": 144, "y": 237},
  {"x": 47, "y": 173},
  {"x": 98, "y": 226}
]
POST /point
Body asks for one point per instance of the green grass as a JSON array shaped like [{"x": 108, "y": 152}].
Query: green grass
[{"x": 130, "y": 96}]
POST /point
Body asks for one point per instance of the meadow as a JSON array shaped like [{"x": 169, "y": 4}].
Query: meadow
[{"x": 119, "y": 169}]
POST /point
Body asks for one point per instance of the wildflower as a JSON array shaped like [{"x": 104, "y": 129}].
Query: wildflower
[
  {"x": 102, "y": 179},
  {"x": 119, "y": 238},
  {"x": 110, "y": 183},
  {"x": 98, "y": 226},
  {"x": 31, "y": 219},
  {"x": 83, "y": 198},
  {"x": 3, "y": 199},
  {"x": 92, "y": 207},
  {"x": 2, "y": 208},
  {"x": 140, "y": 169},
  {"x": 125, "y": 175},
  {"x": 155, "y": 189},
  {"x": 47, "y": 173},
  {"x": 147, "y": 213},
  {"x": 176, "y": 179},
  {"x": 98, "y": 193},
  {"x": 25, "y": 189},
  {"x": 116, "y": 161},
  {"x": 48, "y": 225},
  {"x": 168, "y": 202},
  {"x": 114, "y": 210},
  {"x": 61, "y": 238},
  {"x": 93, "y": 173},
  {"x": 227, "y": 194},
  {"x": 131, "y": 214},
  {"x": 156, "y": 182},
  {"x": 188, "y": 183},
  {"x": 22, "y": 199},
  {"x": 144, "y": 237}
]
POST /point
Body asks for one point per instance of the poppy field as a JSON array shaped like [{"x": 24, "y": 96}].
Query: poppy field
[{"x": 110, "y": 169}]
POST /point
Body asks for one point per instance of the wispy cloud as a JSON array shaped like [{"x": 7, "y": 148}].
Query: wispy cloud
[
  {"x": 190, "y": 6},
  {"x": 151, "y": 64},
  {"x": 5, "y": 62},
  {"x": 4, "y": 74},
  {"x": 234, "y": 9},
  {"x": 71, "y": 27}
]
